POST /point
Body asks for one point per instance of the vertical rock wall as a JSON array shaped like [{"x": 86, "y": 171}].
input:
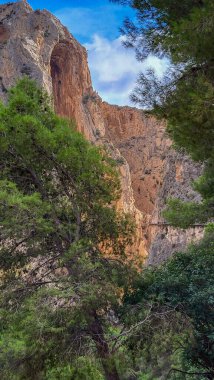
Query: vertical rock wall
[{"x": 158, "y": 172}]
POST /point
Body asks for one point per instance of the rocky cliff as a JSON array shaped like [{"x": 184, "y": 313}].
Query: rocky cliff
[{"x": 34, "y": 43}]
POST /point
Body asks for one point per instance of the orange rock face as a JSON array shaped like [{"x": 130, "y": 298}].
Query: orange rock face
[
  {"x": 35, "y": 43},
  {"x": 143, "y": 142}
]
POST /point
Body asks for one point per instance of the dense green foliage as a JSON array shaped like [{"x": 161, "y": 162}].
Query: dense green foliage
[
  {"x": 179, "y": 298},
  {"x": 62, "y": 253}
]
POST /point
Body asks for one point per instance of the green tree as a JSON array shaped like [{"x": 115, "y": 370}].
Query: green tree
[
  {"x": 63, "y": 245},
  {"x": 176, "y": 303}
]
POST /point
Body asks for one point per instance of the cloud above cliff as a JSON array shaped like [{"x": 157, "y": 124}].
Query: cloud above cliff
[{"x": 115, "y": 69}]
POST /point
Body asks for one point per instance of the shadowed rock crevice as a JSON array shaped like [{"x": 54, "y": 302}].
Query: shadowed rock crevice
[{"x": 61, "y": 74}]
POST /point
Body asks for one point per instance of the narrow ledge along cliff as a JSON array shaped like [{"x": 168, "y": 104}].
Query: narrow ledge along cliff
[{"x": 35, "y": 43}]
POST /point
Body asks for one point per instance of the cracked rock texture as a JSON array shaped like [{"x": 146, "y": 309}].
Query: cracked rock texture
[{"x": 36, "y": 44}]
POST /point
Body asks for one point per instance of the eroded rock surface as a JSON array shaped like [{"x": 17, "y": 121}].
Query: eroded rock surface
[
  {"x": 34, "y": 43},
  {"x": 158, "y": 172}
]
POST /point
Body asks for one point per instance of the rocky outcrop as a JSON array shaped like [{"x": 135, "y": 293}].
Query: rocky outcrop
[{"x": 34, "y": 43}]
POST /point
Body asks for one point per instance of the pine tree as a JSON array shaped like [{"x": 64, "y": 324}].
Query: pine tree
[{"x": 63, "y": 245}]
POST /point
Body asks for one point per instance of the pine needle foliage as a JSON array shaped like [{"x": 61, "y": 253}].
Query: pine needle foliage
[{"x": 63, "y": 245}]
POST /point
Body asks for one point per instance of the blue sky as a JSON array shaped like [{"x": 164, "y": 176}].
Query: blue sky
[{"x": 96, "y": 25}]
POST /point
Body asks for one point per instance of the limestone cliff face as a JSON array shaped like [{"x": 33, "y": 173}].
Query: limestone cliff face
[
  {"x": 143, "y": 142},
  {"x": 158, "y": 172},
  {"x": 35, "y": 43}
]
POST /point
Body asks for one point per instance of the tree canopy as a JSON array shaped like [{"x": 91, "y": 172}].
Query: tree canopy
[
  {"x": 178, "y": 300},
  {"x": 63, "y": 245}
]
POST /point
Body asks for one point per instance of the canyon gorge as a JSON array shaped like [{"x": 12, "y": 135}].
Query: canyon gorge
[{"x": 36, "y": 44}]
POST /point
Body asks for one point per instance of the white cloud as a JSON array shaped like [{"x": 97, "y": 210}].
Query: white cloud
[{"x": 115, "y": 69}]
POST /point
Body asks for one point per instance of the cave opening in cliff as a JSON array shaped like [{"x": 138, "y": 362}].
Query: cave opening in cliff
[{"x": 60, "y": 65}]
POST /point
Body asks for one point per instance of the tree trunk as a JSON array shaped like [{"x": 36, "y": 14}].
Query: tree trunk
[{"x": 108, "y": 363}]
